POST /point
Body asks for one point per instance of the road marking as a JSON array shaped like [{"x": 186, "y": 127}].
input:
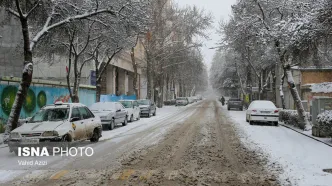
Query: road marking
[
  {"x": 126, "y": 174},
  {"x": 58, "y": 175}
]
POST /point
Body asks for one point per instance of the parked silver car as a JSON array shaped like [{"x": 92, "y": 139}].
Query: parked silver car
[
  {"x": 147, "y": 107},
  {"x": 110, "y": 113},
  {"x": 181, "y": 101}
]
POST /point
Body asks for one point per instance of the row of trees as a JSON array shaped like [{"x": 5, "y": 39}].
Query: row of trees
[
  {"x": 264, "y": 39},
  {"x": 172, "y": 53},
  {"x": 97, "y": 31}
]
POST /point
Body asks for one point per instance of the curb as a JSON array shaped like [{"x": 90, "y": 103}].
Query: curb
[
  {"x": 305, "y": 135},
  {"x": 3, "y": 147}
]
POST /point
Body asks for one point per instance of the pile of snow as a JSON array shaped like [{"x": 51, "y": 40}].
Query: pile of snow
[
  {"x": 324, "y": 121},
  {"x": 321, "y": 87},
  {"x": 291, "y": 117},
  {"x": 1, "y": 138}
]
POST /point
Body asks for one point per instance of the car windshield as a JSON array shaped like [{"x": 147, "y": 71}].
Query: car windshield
[
  {"x": 107, "y": 106},
  {"x": 52, "y": 114},
  {"x": 143, "y": 102},
  {"x": 127, "y": 104}
]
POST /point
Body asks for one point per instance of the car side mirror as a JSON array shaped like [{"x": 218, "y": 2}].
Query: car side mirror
[
  {"x": 28, "y": 119},
  {"x": 74, "y": 119}
]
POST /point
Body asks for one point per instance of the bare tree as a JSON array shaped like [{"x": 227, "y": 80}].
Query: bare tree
[{"x": 37, "y": 19}]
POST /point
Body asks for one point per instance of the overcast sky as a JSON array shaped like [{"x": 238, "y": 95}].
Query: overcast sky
[{"x": 220, "y": 9}]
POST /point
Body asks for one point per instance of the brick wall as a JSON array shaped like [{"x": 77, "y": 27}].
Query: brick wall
[{"x": 316, "y": 77}]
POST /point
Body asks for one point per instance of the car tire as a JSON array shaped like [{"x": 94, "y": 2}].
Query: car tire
[
  {"x": 125, "y": 122},
  {"x": 139, "y": 116},
  {"x": 111, "y": 125},
  {"x": 95, "y": 136},
  {"x": 65, "y": 140},
  {"x": 241, "y": 109},
  {"x": 276, "y": 123},
  {"x": 149, "y": 114},
  {"x": 251, "y": 122},
  {"x": 131, "y": 119},
  {"x": 155, "y": 112},
  {"x": 228, "y": 108}
]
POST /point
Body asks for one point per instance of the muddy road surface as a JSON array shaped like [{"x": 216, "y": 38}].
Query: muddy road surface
[{"x": 201, "y": 148}]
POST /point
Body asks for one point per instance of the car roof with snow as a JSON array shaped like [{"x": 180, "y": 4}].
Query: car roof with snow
[
  {"x": 63, "y": 105},
  {"x": 262, "y": 104}
]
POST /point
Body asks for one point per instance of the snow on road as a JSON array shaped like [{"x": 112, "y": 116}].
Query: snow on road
[
  {"x": 143, "y": 123},
  {"x": 302, "y": 159},
  {"x": 165, "y": 119}
]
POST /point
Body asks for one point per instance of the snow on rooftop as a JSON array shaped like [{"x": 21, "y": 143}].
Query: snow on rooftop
[
  {"x": 312, "y": 68},
  {"x": 325, "y": 87}
]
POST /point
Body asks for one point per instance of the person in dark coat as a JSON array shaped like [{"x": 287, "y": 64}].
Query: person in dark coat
[{"x": 222, "y": 100}]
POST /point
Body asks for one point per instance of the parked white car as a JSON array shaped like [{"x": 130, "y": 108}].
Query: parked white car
[
  {"x": 132, "y": 107},
  {"x": 61, "y": 122},
  {"x": 110, "y": 113},
  {"x": 262, "y": 111},
  {"x": 191, "y": 100}
]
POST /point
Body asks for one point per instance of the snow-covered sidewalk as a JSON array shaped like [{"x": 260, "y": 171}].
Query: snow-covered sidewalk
[
  {"x": 308, "y": 133},
  {"x": 2, "y": 145},
  {"x": 302, "y": 158}
]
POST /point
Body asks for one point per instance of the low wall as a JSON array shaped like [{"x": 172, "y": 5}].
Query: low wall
[
  {"x": 114, "y": 98},
  {"x": 37, "y": 97}
]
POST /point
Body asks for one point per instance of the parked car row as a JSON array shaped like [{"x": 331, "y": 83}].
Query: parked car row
[{"x": 69, "y": 122}]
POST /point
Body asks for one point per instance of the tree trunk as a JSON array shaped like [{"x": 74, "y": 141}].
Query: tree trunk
[
  {"x": 304, "y": 122},
  {"x": 282, "y": 97},
  {"x": 274, "y": 80},
  {"x": 25, "y": 82},
  {"x": 240, "y": 80},
  {"x": 75, "y": 98},
  {"x": 167, "y": 87},
  {"x": 133, "y": 61},
  {"x": 174, "y": 89},
  {"x": 98, "y": 90},
  {"x": 161, "y": 92},
  {"x": 148, "y": 76}
]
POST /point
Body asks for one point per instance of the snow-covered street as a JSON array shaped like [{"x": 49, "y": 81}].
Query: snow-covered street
[
  {"x": 301, "y": 158},
  {"x": 199, "y": 144}
]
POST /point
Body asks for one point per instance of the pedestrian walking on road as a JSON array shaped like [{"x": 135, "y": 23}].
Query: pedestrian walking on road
[{"x": 222, "y": 100}]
